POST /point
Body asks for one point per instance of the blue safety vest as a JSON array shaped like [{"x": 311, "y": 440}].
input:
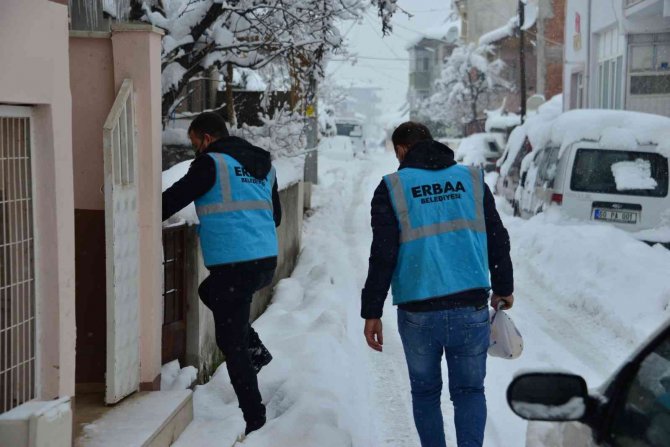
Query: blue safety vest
[
  {"x": 236, "y": 215},
  {"x": 443, "y": 246}
]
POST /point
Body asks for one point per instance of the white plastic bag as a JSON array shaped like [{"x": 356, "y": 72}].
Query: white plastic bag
[{"x": 506, "y": 341}]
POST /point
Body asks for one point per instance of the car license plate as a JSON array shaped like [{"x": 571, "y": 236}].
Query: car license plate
[{"x": 618, "y": 216}]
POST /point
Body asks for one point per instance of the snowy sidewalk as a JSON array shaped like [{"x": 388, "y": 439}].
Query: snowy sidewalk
[
  {"x": 316, "y": 388},
  {"x": 585, "y": 296}
]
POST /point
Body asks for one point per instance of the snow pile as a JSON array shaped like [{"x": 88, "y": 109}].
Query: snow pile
[
  {"x": 598, "y": 270},
  {"x": 473, "y": 149},
  {"x": 175, "y": 137},
  {"x": 187, "y": 214},
  {"x": 496, "y": 119},
  {"x": 290, "y": 170},
  {"x": 623, "y": 129},
  {"x": 174, "y": 378},
  {"x": 633, "y": 175},
  {"x": 536, "y": 128}
]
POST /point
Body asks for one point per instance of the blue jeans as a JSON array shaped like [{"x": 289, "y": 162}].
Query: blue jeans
[{"x": 463, "y": 335}]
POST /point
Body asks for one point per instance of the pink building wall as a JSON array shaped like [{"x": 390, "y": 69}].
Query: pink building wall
[
  {"x": 99, "y": 62},
  {"x": 35, "y": 73}
]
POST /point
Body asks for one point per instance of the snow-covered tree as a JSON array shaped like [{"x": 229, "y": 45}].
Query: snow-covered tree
[
  {"x": 206, "y": 34},
  {"x": 467, "y": 84}
]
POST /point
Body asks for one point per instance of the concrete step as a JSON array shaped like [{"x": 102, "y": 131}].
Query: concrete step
[{"x": 145, "y": 419}]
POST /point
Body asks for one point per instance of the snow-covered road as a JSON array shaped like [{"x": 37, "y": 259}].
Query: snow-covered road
[{"x": 585, "y": 296}]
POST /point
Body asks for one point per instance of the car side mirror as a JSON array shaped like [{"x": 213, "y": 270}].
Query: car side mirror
[{"x": 548, "y": 397}]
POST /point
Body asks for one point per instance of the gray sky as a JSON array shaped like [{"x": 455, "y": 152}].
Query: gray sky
[{"x": 365, "y": 40}]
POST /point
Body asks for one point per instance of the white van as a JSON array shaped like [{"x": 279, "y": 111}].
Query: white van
[{"x": 627, "y": 188}]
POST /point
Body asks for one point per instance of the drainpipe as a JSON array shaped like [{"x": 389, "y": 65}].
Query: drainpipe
[{"x": 587, "y": 84}]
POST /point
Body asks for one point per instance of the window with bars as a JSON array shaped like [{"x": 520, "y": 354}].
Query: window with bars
[{"x": 17, "y": 274}]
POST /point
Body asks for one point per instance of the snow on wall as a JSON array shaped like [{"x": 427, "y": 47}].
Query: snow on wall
[{"x": 289, "y": 170}]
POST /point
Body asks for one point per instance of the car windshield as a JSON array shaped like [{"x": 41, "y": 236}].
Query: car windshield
[{"x": 620, "y": 172}]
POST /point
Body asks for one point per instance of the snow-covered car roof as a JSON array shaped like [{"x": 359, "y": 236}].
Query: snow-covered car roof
[{"x": 612, "y": 129}]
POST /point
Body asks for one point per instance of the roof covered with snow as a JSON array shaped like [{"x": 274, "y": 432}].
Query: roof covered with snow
[
  {"x": 447, "y": 32},
  {"x": 507, "y": 30}
]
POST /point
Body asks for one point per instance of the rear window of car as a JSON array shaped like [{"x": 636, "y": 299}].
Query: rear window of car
[{"x": 592, "y": 172}]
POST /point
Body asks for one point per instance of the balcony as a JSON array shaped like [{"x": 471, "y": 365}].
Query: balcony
[
  {"x": 640, "y": 9},
  {"x": 420, "y": 80}
]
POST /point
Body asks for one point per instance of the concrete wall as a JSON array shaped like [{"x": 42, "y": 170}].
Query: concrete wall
[
  {"x": 201, "y": 349},
  {"x": 35, "y": 72},
  {"x": 137, "y": 55}
]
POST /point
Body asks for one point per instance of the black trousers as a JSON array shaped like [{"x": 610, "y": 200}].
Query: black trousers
[{"x": 228, "y": 295}]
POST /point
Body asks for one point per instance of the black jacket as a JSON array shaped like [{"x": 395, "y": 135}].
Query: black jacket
[
  {"x": 201, "y": 177},
  {"x": 386, "y": 236}
]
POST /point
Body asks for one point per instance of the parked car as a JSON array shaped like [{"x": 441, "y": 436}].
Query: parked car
[
  {"x": 480, "y": 149},
  {"x": 509, "y": 165},
  {"x": 632, "y": 409},
  {"x": 352, "y": 128},
  {"x": 623, "y": 183}
]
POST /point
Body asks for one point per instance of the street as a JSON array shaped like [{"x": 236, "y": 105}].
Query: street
[{"x": 326, "y": 387}]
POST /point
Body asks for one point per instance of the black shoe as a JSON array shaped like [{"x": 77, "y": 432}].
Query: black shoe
[
  {"x": 260, "y": 357},
  {"x": 254, "y": 425}
]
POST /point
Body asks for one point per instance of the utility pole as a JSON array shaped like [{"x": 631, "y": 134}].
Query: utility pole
[{"x": 522, "y": 61}]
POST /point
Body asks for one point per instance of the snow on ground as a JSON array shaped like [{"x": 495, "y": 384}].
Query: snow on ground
[
  {"x": 316, "y": 388},
  {"x": 586, "y": 296},
  {"x": 174, "y": 377}
]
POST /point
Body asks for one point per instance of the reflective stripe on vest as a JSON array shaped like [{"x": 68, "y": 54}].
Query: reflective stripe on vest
[
  {"x": 228, "y": 203},
  {"x": 408, "y": 233}
]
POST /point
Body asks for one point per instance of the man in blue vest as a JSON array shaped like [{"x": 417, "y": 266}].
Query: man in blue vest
[
  {"x": 234, "y": 187},
  {"x": 439, "y": 242}
]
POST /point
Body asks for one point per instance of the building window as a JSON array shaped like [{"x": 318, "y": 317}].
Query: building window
[
  {"x": 649, "y": 66},
  {"x": 610, "y": 70}
]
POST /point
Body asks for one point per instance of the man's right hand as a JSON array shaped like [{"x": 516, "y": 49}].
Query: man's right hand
[
  {"x": 373, "y": 333},
  {"x": 505, "y": 302}
]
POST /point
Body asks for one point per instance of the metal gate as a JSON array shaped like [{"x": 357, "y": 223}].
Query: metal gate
[
  {"x": 122, "y": 246},
  {"x": 174, "y": 294},
  {"x": 17, "y": 248}
]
